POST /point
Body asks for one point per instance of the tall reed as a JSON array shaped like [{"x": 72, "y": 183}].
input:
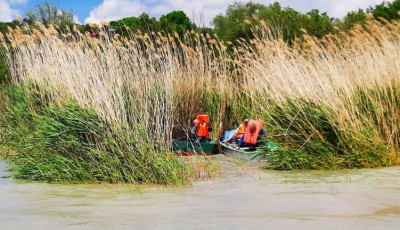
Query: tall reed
[
  {"x": 330, "y": 102},
  {"x": 340, "y": 92}
]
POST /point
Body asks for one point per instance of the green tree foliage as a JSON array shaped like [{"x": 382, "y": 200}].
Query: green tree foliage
[
  {"x": 318, "y": 24},
  {"x": 387, "y": 10},
  {"x": 176, "y": 21},
  {"x": 50, "y": 14},
  {"x": 353, "y": 18},
  {"x": 231, "y": 26},
  {"x": 282, "y": 20},
  {"x": 4, "y": 26},
  {"x": 142, "y": 23}
]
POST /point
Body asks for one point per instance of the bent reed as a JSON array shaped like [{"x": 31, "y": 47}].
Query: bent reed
[{"x": 329, "y": 103}]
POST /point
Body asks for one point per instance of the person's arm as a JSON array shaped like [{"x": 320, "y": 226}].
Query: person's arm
[
  {"x": 262, "y": 132},
  {"x": 240, "y": 142}
]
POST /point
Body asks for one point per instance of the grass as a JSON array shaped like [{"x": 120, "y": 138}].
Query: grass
[{"x": 329, "y": 103}]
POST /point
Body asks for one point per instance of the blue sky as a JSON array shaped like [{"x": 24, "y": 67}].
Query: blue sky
[
  {"x": 81, "y": 8},
  {"x": 199, "y": 10}
]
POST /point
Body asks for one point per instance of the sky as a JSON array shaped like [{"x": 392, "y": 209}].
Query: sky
[{"x": 200, "y": 11}]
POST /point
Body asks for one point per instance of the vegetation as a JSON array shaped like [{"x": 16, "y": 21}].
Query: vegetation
[
  {"x": 332, "y": 102},
  {"x": 50, "y": 14},
  {"x": 236, "y": 23},
  {"x": 386, "y": 10},
  {"x": 68, "y": 143},
  {"x": 84, "y": 109}
]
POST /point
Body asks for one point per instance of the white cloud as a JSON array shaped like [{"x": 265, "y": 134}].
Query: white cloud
[
  {"x": 17, "y": 1},
  {"x": 76, "y": 19},
  {"x": 160, "y": 9},
  {"x": 205, "y": 10},
  {"x": 6, "y": 13},
  {"x": 111, "y": 10}
]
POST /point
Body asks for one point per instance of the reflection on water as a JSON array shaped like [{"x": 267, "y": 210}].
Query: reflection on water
[{"x": 242, "y": 198}]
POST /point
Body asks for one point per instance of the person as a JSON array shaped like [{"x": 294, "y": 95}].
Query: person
[
  {"x": 238, "y": 133},
  {"x": 203, "y": 128},
  {"x": 251, "y": 134}
]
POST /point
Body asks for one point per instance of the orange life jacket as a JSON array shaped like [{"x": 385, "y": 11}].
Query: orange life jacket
[
  {"x": 241, "y": 131},
  {"x": 202, "y": 129},
  {"x": 202, "y": 117},
  {"x": 251, "y": 136}
]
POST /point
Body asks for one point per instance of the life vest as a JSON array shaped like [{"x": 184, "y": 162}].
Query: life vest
[
  {"x": 241, "y": 131},
  {"x": 251, "y": 136},
  {"x": 202, "y": 129},
  {"x": 202, "y": 117}
]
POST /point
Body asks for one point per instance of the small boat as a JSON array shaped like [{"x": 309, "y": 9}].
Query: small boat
[
  {"x": 189, "y": 148},
  {"x": 261, "y": 153}
]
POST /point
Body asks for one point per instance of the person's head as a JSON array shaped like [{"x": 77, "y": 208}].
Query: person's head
[
  {"x": 196, "y": 122},
  {"x": 246, "y": 122},
  {"x": 252, "y": 127}
]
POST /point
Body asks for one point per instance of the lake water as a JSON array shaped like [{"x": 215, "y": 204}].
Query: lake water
[{"x": 240, "y": 198}]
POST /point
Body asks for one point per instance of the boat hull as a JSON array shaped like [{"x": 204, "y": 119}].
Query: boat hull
[
  {"x": 187, "y": 148},
  {"x": 261, "y": 153}
]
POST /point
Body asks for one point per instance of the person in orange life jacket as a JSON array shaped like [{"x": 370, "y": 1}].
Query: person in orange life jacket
[
  {"x": 203, "y": 131},
  {"x": 239, "y": 132},
  {"x": 252, "y": 132}
]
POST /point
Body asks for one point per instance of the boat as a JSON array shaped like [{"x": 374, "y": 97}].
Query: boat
[
  {"x": 189, "y": 148},
  {"x": 261, "y": 153}
]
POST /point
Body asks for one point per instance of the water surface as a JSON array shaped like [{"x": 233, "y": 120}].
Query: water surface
[{"x": 241, "y": 198}]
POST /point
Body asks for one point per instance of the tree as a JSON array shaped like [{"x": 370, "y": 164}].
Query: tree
[
  {"x": 282, "y": 21},
  {"x": 285, "y": 21},
  {"x": 176, "y": 21},
  {"x": 353, "y": 18},
  {"x": 142, "y": 23},
  {"x": 387, "y": 10},
  {"x": 231, "y": 26},
  {"x": 319, "y": 24},
  {"x": 50, "y": 14}
]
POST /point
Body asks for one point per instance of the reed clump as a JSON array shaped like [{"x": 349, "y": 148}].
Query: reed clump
[
  {"x": 329, "y": 103},
  {"x": 332, "y": 102},
  {"x": 68, "y": 143}
]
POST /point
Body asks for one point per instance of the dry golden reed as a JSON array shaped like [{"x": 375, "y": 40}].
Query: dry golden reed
[{"x": 162, "y": 81}]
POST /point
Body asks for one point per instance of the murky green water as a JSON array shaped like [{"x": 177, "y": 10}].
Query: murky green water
[{"x": 239, "y": 199}]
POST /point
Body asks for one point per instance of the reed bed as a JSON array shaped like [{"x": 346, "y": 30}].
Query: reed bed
[
  {"x": 333, "y": 102},
  {"x": 329, "y": 103},
  {"x": 130, "y": 83}
]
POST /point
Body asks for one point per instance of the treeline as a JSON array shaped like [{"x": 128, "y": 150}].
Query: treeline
[
  {"x": 238, "y": 19},
  {"x": 233, "y": 24}
]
